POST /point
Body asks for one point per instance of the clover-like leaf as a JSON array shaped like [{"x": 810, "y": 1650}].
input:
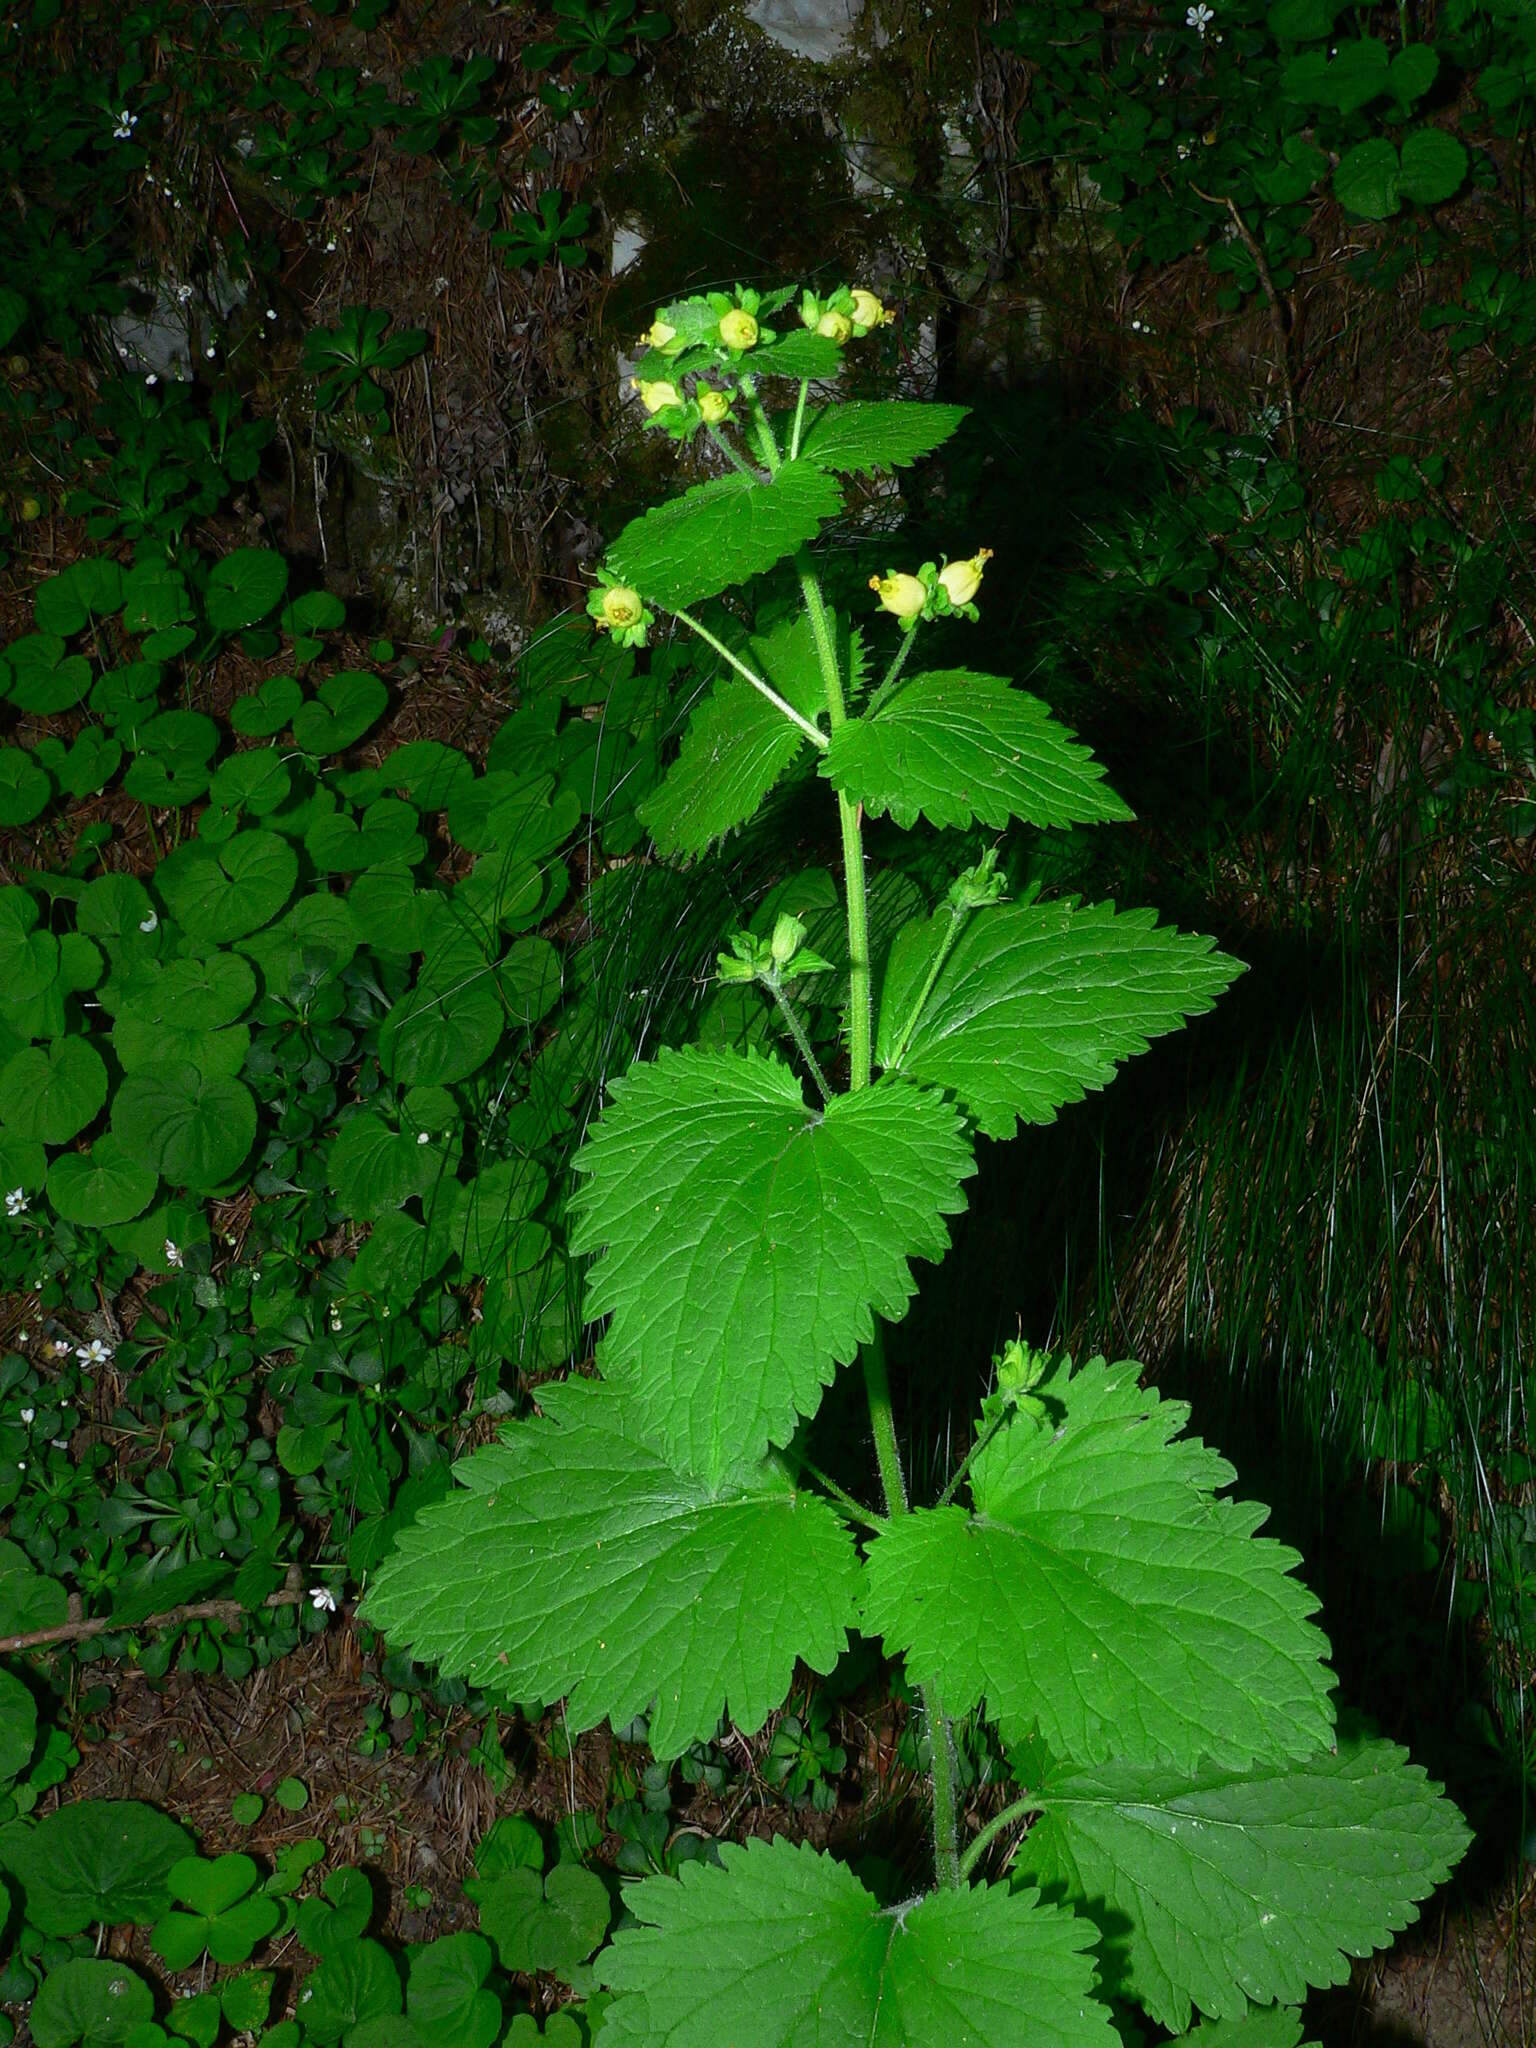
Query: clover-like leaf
[
  {"x": 723, "y": 532},
  {"x": 579, "y": 1561},
  {"x": 225, "y": 1916},
  {"x": 954, "y": 747},
  {"x": 1213, "y": 1888},
  {"x": 1100, "y": 1589},
  {"x": 809, "y": 1216},
  {"x": 1039, "y": 1003},
  {"x": 865, "y": 436},
  {"x": 782, "y": 1947}
]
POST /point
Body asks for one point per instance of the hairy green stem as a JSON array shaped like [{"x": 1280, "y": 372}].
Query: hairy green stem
[
  {"x": 888, "y": 680},
  {"x": 732, "y": 455},
  {"x": 957, "y": 919},
  {"x": 853, "y": 1509},
  {"x": 762, "y": 431},
  {"x": 794, "y": 432},
  {"x": 1009, "y": 1817},
  {"x": 958, "y": 1475},
  {"x": 812, "y": 732},
  {"x": 797, "y": 1032}
]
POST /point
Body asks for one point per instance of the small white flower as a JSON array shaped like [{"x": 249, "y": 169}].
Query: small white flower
[
  {"x": 256, "y": 1277},
  {"x": 422, "y": 1138},
  {"x": 322, "y": 1599},
  {"x": 210, "y": 351},
  {"x": 148, "y": 924},
  {"x": 173, "y": 1254},
  {"x": 330, "y": 247},
  {"x": 15, "y": 1201},
  {"x": 384, "y": 1312},
  {"x": 126, "y": 123},
  {"x": 183, "y": 293},
  {"x": 94, "y": 1353},
  {"x": 60, "y": 1344},
  {"x": 151, "y": 378},
  {"x": 28, "y": 1414},
  {"x": 21, "y": 1464},
  {"x": 1199, "y": 18},
  {"x": 1183, "y": 151},
  {"x": 271, "y": 312},
  {"x": 122, "y": 348},
  {"x": 59, "y": 1443}
]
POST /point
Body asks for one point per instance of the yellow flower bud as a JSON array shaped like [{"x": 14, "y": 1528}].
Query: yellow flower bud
[
  {"x": 622, "y": 607},
  {"x": 653, "y": 396},
  {"x": 962, "y": 580},
  {"x": 836, "y": 327},
  {"x": 658, "y": 334},
  {"x": 714, "y": 405},
  {"x": 738, "y": 329},
  {"x": 867, "y": 309},
  {"x": 900, "y": 594}
]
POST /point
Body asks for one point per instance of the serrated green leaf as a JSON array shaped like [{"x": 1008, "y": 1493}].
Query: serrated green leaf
[
  {"x": 722, "y": 533},
  {"x": 54, "y": 1094},
  {"x": 782, "y": 1947},
  {"x": 1276, "y": 2026},
  {"x": 1100, "y": 1589},
  {"x": 737, "y": 744},
  {"x": 1215, "y": 1889},
  {"x": 579, "y": 1561},
  {"x": 954, "y": 747},
  {"x": 747, "y": 1238},
  {"x": 1038, "y": 1004},
  {"x": 864, "y": 436}
]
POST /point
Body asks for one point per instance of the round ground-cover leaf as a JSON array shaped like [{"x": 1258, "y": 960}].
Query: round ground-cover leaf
[
  {"x": 428, "y": 771},
  {"x": 125, "y": 696},
  {"x": 445, "y": 1991},
  {"x": 52, "y": 1095},
  {"x": 955, "y": 747},
  {"x": 261, "y": 713},
  {"x": 155, "y": 597},
  {"x": 244, "y": 587},
  {"x": 89, "y": 764},
  {"x": 386, "y": 832},
  {"x": 318, "y": 935},
  {"x": 257, "y": 780},
  {"x": 194, "y": 995},
  {"x": 25, "y": 789},
  {"x": 373, "y": 1167},
  {"x": 511, "y": 813},
  {"x": 29, "y": 958},
  {"x": 723, "y": 532},
  {"x": 23, "y": 1164},
  {"x": 530, "y": 979},
  {"x": 544, "y": 1923},
  {"x": 782, "y": 1947},
  {"x": 445, "y": 1027},
  {"x": 138, "y": 1043},
  {"x": 392, "y": 913},
  {"x": 18, "y": 1726},
  {"x": 399, "y": 1258},
  {"x": 28, "y": 1599},
  {"x": 66, "y": 603},
  {"x": 195, "y": 1129},
  {"x": 44, "y": 679},
  {"x": 103, "y": 1186},
  {"x": 576, "y": 1560},
  {"x": 219, "y": 893},
  {"x": 348, "y": 703},
  {"x": 350, "y": 1985},
  {"x": 1039, "y": 1003},
  {"x": 97, "y": 1860},
  {"x": 114, "y": 907},
  {"x": 1368, "y": 180},
  {"x": 490, "y": 1212},
  {"x": 89, "y": 2003},
  {"x": 1101, "y": 1590},
  {"x": 810, "y": 1218},
  {"x": 1434, "y": 164},
  {"x": 1213, "y": 1889}
]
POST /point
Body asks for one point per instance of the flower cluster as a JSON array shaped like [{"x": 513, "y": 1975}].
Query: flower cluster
[{"x": 933, "y": 592}]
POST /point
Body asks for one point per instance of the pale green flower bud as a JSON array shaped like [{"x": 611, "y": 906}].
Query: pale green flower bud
[
  {"x": 836, "y": 327},
  {"x": 962, "y": 580},
  {"x": 788, "y": 933},
  {"x": 868, "y": 311},
  {"x": 622, "y": 607},
  {"x": 658, "y": 334},
  {"x": 738, "y": 328},
  {"x": 653, "y": 396},
  {"x": 713, "y": 406},
  {"x": 900, "y": 594}
]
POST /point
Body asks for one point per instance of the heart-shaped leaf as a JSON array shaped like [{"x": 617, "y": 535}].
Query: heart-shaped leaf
[
  {"x": 347, "y": 705},
  {"x": 244, "y": 587},
  {"x": 193, "y": 1128}
]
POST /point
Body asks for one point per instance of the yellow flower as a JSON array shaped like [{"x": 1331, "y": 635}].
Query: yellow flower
[
  {"x": 654, "y": 396},
  {"x": 962, "y": 580},
  {"x": 714, "y": 405},
  {"x": 621, "y": 607},
  {"x": 658, "y": 334},
  {"x": 738, "y": 329},
  {"x": 868, "y": 311},
  {"x": 900, "y": 594},
  {"x": 835, "y": 326}
]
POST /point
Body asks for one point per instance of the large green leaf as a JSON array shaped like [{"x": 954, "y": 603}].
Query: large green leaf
[
  {"x": 782, "y": 1947},
  {"x": 373, "y": 1167},
  {"x": 104, "y": 1186},
  {"x": 954, "y": 747},
  {"x": 223, "y": 892},
  {"x": 193, "y": 1128},
  {"x": 544, "y": 1923},
  {"x": 1037, "y": 1004},
  {"x": 1101, "y": 1589},
  {"x": 18, "y": 1726},
  {"x": 1213, "y": 1889},
  {"x": 97, "y": 1859},
  {"x": 722, "y": 533},
  {"x": 447, "y": 1025},
  {"x": 578, "y": 1561},
  {"x": 244, "y": 587},
  {"x": 51, "y": 1095},
  {"x": 737, "y": 744},
  {"x": 191, "y": 995},
  {"x": 749, "y": 1237},
  {"x": 447, "y": 1996},
  {"x": 86, "y": 2003},
  {"x": 864, "y": 436}
]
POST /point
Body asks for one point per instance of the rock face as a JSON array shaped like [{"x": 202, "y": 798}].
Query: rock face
[{"x": 815, "y": 29}]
